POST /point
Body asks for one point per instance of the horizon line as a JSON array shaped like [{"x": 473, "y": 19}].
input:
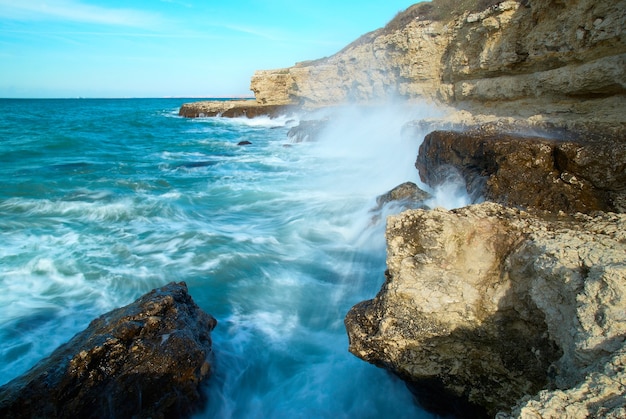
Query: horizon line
[{"x": 126, "y": 97}]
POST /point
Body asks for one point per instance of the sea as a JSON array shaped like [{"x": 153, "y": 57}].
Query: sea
[{"x": 103, "y": 200}]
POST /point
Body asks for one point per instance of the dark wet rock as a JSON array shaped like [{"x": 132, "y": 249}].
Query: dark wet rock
[
  {"x": 197, "y": 164},
  {"x": 231, "y": 109},
  {"x": 307, "y": 130},
  {"x": 527, "y": 171},
  {"x": 407, "y": 193},
  {"x": 147, "y": 359},
  {"x": 245, "y": 142}
]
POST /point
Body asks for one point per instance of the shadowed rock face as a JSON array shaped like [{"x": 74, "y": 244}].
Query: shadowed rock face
[
  {"x": 554, "y": 175},
  {"x": 489, "y": 304},
  {"x": 147, "y": 359}
]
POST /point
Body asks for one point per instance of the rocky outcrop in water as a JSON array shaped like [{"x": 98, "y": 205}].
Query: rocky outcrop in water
[
  {"x": 555, "y": 174},
  {"x": 407, "y": 194},
  {"x": 487, "y": 308},
  {"x": 147, "y": 359},
  {"x": 493, "y": 304},
  {"x": 308, "y": 130},
  {"x": 230, "y": 109}
]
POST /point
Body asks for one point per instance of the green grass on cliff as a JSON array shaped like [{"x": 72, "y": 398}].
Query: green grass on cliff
[{"x": 438, "y": 10}]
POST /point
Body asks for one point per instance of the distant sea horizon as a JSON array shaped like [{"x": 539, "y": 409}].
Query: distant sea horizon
[
  {"x": 133, "y": 97},
  {"x": 105, "y": 199}
]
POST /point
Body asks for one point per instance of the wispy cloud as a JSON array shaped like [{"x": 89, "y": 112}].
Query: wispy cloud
[
  {"x": 271, "y": 35},
  {"x": 74, "y": 11}
]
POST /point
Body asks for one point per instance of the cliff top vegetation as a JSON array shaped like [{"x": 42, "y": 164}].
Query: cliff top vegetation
[{"x": 437, "y": 10}]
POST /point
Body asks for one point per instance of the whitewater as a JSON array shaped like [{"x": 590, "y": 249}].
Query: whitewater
[{"x": 103, "y": 200}]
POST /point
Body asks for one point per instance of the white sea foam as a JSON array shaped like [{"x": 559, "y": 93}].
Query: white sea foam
[
  {"x": 262, "y": 121},
  {"x": 276, "y": 242}
]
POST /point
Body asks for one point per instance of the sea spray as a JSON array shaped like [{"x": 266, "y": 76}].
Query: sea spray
[{"x": 276, "y": 242}]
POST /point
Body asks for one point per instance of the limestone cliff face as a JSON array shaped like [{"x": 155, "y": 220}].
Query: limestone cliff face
[
  {"x": 494, "y": 303},
  {"x": 552, "y": 49},
  {"x": 380, "y": 64}
]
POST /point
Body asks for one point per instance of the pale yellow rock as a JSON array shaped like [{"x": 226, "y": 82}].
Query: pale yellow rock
[
  {"x": 558, "y": 53},
  {"x": 498, "y": 303}
]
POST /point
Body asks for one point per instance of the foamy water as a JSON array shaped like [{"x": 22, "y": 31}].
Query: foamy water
[{"x": 104, "y": 200}]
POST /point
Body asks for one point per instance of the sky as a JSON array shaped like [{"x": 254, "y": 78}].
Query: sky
[{"x": 169, "y": 48}]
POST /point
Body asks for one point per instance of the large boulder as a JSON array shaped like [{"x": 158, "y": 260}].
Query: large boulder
[
  {"x": 489, "y": 304},
  {"x": 571, "y": 175},
  {"x": 147, "y": 359}
]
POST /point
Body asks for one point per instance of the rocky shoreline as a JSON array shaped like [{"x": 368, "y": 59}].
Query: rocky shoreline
[
  {"x": 495, "y": 303},
  {"x": 230, "y": 109},
  {"x": 514, "y": 307}
]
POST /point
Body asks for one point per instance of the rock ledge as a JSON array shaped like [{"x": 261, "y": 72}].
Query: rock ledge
[
  {"x": 147, "y": 359},
  {"x": 231, "y": 109}
]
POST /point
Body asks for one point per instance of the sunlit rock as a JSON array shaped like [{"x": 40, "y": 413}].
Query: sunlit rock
[
  {"x": 147, "y": 359},
  {"x": 230, "y": 109},
  {"x": 492, "y": 304},
  {"x": 538, "y": 57}
]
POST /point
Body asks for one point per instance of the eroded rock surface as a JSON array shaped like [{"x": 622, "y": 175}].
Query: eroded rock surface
[
  {"x": 578, "y": 175},
  {"x": 230, "y": 109},
  {"x": 547, "y": 50},
  {"x": 407, "y": 193},
  {"x": 147, "y": 359},
  {"x": 493, "y": 303}
]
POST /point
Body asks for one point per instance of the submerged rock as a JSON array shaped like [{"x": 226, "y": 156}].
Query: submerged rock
[
  {"x": 549, "y": 174},
  {"x": 490, "y": 304},
  {"x": 147, "y": 359}
]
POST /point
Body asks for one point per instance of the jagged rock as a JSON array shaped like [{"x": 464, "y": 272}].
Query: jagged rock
[
  {"x": 556, "y": 51},
  {"x": 307, "y": 130},
  {"x": 230, "y": 109},
  {"x": 147, "y": 359},
  {"x": 492, "y": 304},
  {"x": 405, "y": 196},
  {"x": 549, "y": 174},
  {"x": 601, "y": 394},
  {"x": 407, "y": 192}
]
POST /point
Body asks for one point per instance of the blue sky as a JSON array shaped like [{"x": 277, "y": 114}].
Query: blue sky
[{"x": 160, "y": 48}]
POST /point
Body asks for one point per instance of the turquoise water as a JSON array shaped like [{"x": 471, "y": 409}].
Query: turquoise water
[{"x": 104, "y": 200}]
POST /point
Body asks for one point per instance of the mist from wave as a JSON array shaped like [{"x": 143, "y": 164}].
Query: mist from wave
[{"x": 276, "y": 240}]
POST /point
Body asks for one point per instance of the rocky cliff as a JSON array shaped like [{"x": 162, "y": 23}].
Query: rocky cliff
[
  {"x": 496, "y": 310},
  {"x": 493, "y": 304},
  {"x": 491, "y": 310},
  {"x": 563, "y": 55}
]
